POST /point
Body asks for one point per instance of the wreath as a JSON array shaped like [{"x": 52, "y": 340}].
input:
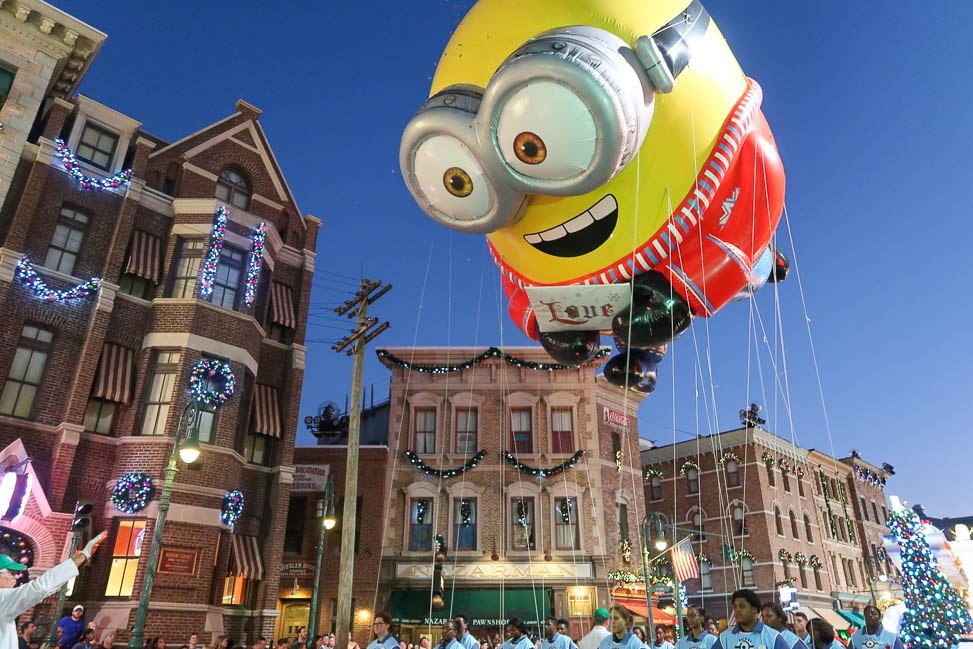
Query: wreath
[
  {"x": 232, "y": 508},
  {"x": 208, "y": 369},
  {"x": 132, "y": 493}
]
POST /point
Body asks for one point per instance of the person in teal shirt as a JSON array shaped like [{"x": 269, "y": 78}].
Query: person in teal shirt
[
  {"x": 749, "y": 631},
  {"x": 463, "y": 634},
  {"x": 697, "y": 638},
  {"x": 661, "y": 642},
  {"x": 621, "y": 631},
  {"x": 382, "y": 627},
  {"x": 517, "y": 637},
  {"x": 552, "y": 639},
  {"x": 773, "y": 616},
  {"x": 449, "y": 640},
  {"x": 874, "y": 636}
]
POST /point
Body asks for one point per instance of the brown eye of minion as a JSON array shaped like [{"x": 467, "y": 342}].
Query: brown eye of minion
[
  {"x": 529, "y": 148},
  {"x": 458, "y": 182}
]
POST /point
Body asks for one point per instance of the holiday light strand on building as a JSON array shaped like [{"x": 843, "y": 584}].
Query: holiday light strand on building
[
  {"x": 814, "y": 562},
  {"x": 26, "y": 274},
  {"x": 391, "y": 360},
  {"x": 232, "y": 508},
  {"x": 767, "y": 459},
  {"x": 827, "y": 502},
  {"x": 71, "y": 165},
  {"x": 787, "y": 581},
  {"x": 800, "y": 472},
  {"x": 784, "y": 555},
  {"x": 868, "y": 476},
  {"x": 649, "y": 474},
  {"x": 686, "y": 466},
  {"x": 207, "y": 274},
  {"x": 211, "y": 370},
  {"x": 844, "y": 507},
  {"x": 253, "y": 267},
  {"x": 132, "y": 493},
  {"x": 702, "y": 557},
  {"x": 543, "y": 473},
  {"x": 736, "y": 556},
  {"x": 729, "y": 456},
  {"x": 626, "y": 547},
  {"x": 800, "y": 559},
  {"x": 784, "y": 465},
  {"x": 936, "y": 616},
  {"x": 444, "y": 473}
]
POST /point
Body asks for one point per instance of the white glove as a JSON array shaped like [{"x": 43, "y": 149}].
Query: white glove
[{"x": 92, "y": 545}]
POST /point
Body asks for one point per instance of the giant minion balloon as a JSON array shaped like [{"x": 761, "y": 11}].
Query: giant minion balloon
[{"x": 617, "y": 160}]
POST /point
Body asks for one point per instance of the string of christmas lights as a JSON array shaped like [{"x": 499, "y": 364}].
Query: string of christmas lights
[
  {"x": 868, "y": 476},
  {"x": 391, "y": 360},
  {"x": 209, "y": 369},
  {"x": 784, "y": 465},
  {"x": 132, "y": 492},
  {"x": 936, "y": 616},
  {"x": 543, "y": 473},
  {"x": 800, "y": 472},
  {"x": 445, "y": 473},
  {"x": 232, "y": 508},
  {"x": 844, "y": 508},
  {"x": 827, "y": 502},
  {"x": 767, "y": 459},
  {"x": 728, "y": 456},
  {"x": 814, "y": 562},
  {"x": 704, "y": 558},
  {"x": 686, "y": 466},
  {"x": 253, "y": 267},
  {"x": 784, "y": 555},
  {"x": 651, "y": 473},
  {"x": 71, "y": 164},
  {"x": 207, "y": 274},
  {"x": 26, "y": 274},
  {"x": 788, "y": 581},
  {"x": 737, "y": 555},
  {"x": 800, "y": 559}
]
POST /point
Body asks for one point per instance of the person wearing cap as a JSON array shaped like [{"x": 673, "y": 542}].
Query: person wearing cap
[
  {"x": 599, "y": 630},
  {"x": 107, "y": 639},
  {"x": 72, "y": 628},
  {"x": 15, "y": 600}
]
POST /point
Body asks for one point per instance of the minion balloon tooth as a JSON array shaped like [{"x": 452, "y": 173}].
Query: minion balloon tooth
[{"x": 615, "y": 157}]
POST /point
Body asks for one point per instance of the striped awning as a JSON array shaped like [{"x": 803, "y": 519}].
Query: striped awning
[
  {"x": 144, "y": 256},
  {"x": 282, "y": 305},
  {"x": 245, "y": 560},
  {"x": 266, "y": 411},
  {"x": 113, "y": 381}
]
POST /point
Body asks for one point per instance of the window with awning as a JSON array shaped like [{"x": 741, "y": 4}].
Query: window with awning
[
  {"x": 113, "y": 380},
  {"x": 245, "y": 558},
  {"x": 282, "y": 305},
  {"x": 488, "y": 606},
  {"x": 144, "y": 256},
  {"x": 266, "y": 411}
]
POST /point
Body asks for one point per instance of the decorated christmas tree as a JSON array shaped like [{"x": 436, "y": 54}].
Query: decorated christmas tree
[{"x": 936, "y": 615}]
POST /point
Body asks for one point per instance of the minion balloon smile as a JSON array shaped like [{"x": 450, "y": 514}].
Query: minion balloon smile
[{"x": 600, "y": 143}]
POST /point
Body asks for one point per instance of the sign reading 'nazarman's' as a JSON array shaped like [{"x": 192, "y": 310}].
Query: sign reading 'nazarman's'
[{"x": 493, "y": 570}]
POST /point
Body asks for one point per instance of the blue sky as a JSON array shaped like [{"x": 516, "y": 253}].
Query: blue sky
[{"x": 869, "y": 105}]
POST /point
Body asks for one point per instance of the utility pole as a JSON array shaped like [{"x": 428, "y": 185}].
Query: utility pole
[{"x": 355, "y": 342}]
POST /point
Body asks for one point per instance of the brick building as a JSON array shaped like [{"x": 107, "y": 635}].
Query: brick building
[
  {"x": 94, "y": 385},
  {"x": 867, "y": 493},
  {"x": 752, "y": 502},
  {"x": 516, "y": 544},
  {"x": 305, "y": 512}
]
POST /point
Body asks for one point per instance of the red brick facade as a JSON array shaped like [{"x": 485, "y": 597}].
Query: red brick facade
[{"x": 172, "y": 196}]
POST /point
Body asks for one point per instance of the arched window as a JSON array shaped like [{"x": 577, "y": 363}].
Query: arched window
[
  {"x": 800, "y": 485},
  {"x": 841, "y": 529},
  {"x": 777, "y": 521},
  {"x": 786, "y": 481},
  {"x": 656, "y": 488},
  {"x": 794, "y": 527},
  {"x": 770, "y": 474},
  {"x": 807, "y": 529},
  {"x": 234, "y": 188},
  {"x": 732, "y": 474},
  {"x": 19, "y": 548},
  {"x": 692, "y": 476},
  {"x": 746, "y": 571},
  {"x": 699, "y": 527},
  {"x": 740, "y": 521},
  {"x": 817, "y": 578},
  {"x": 705, "y": 578}
]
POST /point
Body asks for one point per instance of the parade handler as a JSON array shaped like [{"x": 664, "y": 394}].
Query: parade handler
[{"x": 14, "y": 601}]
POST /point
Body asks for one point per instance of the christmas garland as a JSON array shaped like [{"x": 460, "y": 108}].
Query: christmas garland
[
  {"x": 207, "y": 274},
  {"x": 800, "y": 559},
  {"x": 625, "y": 577},
  {"x": 466, "y": 513},
  {"x": 521, "y": 514},
  {"x": 743, "y": 553},
  {"x": 619, "y": 456},
  {"x": 389, "y": 360},
  {"x": 626, "y": 546},
  {"x": 767, "y": 459},
  {"x": 815, "y": 562},
  {"x": 26, "y": 273},
  {"x": 868, "y": 476},
  {"x": 232, "y": 508},
  {"x": 728, "y": 457},
  {"x": 788, "y": 581},
  {"x": 784, "y": 555},
  {"x": 70, "y": 163},
  {"x": 132, "y": 492},
  {"x": 651, "y": 473},
  {"x": 565, "y": 509},
  {"x": 421, "y": 507},
  {"x": 686, "y": 466},
  {"x": 800, "y": 472},
  {"x": 827, "y": 502},
  {"x": 844, "y": 508},
  {"x": 440, "y": 543},
  {"x": 445, "y": 473},
  {"x": 208, "y": 368},
  {"x": 704, "y": 558},
  {"x": 783, "y": 464},
  {"x": 543, "y": 473},
  {"x": 253, "y": 267}
]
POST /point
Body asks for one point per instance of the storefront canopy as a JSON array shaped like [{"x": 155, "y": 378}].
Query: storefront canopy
[
  {"x": 856, "y": 618},
  {"x": 638, "y": 607},
  {"x": 831, "y": 617},
  {"x": 486, "y": 606}
]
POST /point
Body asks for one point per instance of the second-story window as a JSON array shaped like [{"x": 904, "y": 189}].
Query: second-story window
[
  {"x": 26, "y": 372},
  {"x": 464, "y": 524},
  {"x": 226, "y": 287},
  {"x": 62, "y": 253},
  {"x": 465, "y": 441},
  {"x": 864, "y": 510},
  {"x": 159, "y": 395},
  {"x": 424, "y": 436},
  {"x": 562, "y": 435},
  {"x": 732, "y": 474},
  {"x": 234, "y": 188},
  {"x": 807, "y": 529},
  {"x": 692, "y": 478},
  {"x": 97, "y": 146},
  {"x": 875, "y": 514},
  {"x": 705, "y": 576},
  {"x": 656, "y": 488},
  {"x": 566, "y": 524},
  {"x": 786, "y": 480},
  {"x": 800, "y": 485},
  {"x": 186, "y": 273},
  {"x": 521, "y": 431},
  {"x": 522, "y": 521},
  {"x": 420, "y": 524}
]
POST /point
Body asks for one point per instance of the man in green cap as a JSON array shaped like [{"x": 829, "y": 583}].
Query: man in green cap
[
  {"x": 14, "y": 599},
  {"x": 599, "y": 631}
]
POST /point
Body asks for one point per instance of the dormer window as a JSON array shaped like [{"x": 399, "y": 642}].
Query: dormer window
[
  {"x": 97, "y": 146},
  {"x": 234, "y": 188}
]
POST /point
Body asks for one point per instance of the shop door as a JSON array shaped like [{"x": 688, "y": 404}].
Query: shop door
[{"x": 292, "y": 618}]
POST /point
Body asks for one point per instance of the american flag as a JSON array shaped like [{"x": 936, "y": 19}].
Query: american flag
[{"x": 684, "y": 561}]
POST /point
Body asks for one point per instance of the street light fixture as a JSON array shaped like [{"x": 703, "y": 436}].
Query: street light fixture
[
  {"x": 189, "y": 451},
  {"x": 325, "y": 512}
]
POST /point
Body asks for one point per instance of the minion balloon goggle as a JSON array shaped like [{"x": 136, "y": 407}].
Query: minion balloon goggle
[{"x": 562, "y": 115}]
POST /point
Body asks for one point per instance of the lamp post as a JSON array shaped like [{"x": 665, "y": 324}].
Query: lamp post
[
  {"x": 326, "y": 514},
  {"x": 651, "y": 519},
  {"x": 189, "y": 453}
]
